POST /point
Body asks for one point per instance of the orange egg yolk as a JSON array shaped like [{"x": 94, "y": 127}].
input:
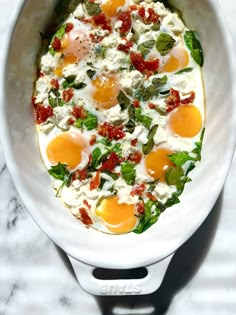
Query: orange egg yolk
[
  {"x": 178, "y": 60},
  {"x": 75, "y": 45},
  {"x": 109, "y": 7},
  {"x": 119, "y": 217},
  {"x": 186, "y": 121},
  {"x": 66, "y": 148},
  {"x": 157, "y": 163},
  {"x": 106, "y": 90}
]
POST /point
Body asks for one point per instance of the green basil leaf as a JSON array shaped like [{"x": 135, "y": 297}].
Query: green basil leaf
[
  {"x": 151, "y": 216},
  {"x": 193, "y": 43},
  {"x": 128, "y": 172},
  {"x": 92, "y": 8},
  {"x": 123, "y": 100},
  {"x": 91, "y": 121},
  {"x": 146, "y": 46},
  {"x": 180, "y": 158},
  {"x": 164, "y": 43},
  {"x": 59, "y": 171},
  {"x": 184, "y": 70},
  {"x": 159, "y": 82}
]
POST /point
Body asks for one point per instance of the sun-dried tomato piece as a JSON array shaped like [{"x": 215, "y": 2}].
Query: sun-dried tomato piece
[
  {"x": 67, "y": 95},
  {"x": 95, "y": 38},
  {"x": 173, "y": 100},
  {"x": 135, "y": 157},
  {"x": 112, "y": 161},
  {"x": 134, "y": 142},
  {"x": 80, "y": 174},
  {"x": 189, "y": 99},
  {"x": 111, "y": 132},
  {"x": 136, "y": 103},
  {"x": 143, "y": 65},
  {"x": 79, "y": 112},
  {"x": 148, "y": 17},
  {"x": 85, "y": 202},
  {"x": 85, "y": 218},
  {"x": 69, "y": 27},
  {"x": 95, "y": 182},
  {"x": 103, "y": 21},
  {"x": 151, "y": 196},
  {"x": 92, "y": 140},
  {"x": 125, "y": 47},
  {"x": 56, "y": 44},
  {"x": 140, "y": 208},
  {"x": 137, "y": 61},
  {"x": 125, "y": 18},
  {"x": 151, "y": 106},
  {"x": 71, "y": 121},
  {"x": 152, "y": 65},
  {"x": 55, "y": 84},
  {"x": 41, "y": 113},
  {"x": 138, "y": 190}
]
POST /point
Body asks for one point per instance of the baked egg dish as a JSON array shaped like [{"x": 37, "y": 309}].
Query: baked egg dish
[{"x": 119, "y": 107}]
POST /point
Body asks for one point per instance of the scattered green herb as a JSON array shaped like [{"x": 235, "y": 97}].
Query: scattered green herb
[
  {"x": 123, "y": 100},
  {"x": 164, "y": 43},
  {"x": 193, "y": 43},
  {"x": 128, "y": 172}
]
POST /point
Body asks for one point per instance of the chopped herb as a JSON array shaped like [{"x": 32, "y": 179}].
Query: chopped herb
[
  {"x": 152, "y": 213},
  {"x": 143, "y": 119},
  {"x": 156, "y": 27},
  {"x": 130, "y": 126},
  {"x": 59, "y": 171},
  {"x": 184, "y": 70},
  {"x": 198, "y": 149},
  {"x": 91, "y": 121},
  {"x": 91, "y": 73},
  {"x": 159, "y": 82},
  {"x": 128, "y": 172},
  {"x": 76, "y": 85},
  {"x": 164, "y": 43},
  {"x": 180, "y": 158},
  {"x": 123, "y": 100},
  {"x": 193, "y": 43},
  {"x": 147, "y": 148},
  {"x": 59, "y": 34},
  {"x": 146, "y": 46},
  {"x": 92, "y": 8}
]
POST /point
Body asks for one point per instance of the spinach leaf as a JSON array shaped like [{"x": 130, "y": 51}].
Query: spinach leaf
[
  {"x": 180, "y": 158},
  {"x": 59, "y": 171},
  {"x": 175, "y": 176},
  {"x": 128, "y": 172},
  {"x": 164, "y": 43},
  {"x": 193, "y": 43},
  {"x": 198, "y": 149},
  {"x": 91, "y": 121},
  {"x": 152, "y": 214}
]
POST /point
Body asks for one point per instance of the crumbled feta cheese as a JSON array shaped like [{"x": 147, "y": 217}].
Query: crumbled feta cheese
[
  {"x": 141, "y": 133},
  {"x": 116, "y": 116},
  {"x": 42, "y": 89},
  {"x": 49, "y": 62},
  {"x": 164, "y": 191},
  {"x": 123, "y": 191},
  {"x": 173, "y": 22},
  {"x": 70, "y": 70},
  {"x": 160, "y": 136},
  {"x": 79, "y": 12},
  {"x": 131, "y": 80}
]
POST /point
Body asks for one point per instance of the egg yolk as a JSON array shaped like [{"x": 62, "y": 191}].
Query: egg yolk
[
  {"x": 186, "y": 121},
  {"x": 109, "y": 7},
  {"x": 106, "y": 90},
  {"x": 119, "y": 217},
  {"x": 75, "y": 45},
  {"x": 178, "y": 60},
  {"x": 157, "y": 163},
  {"x": 66, "y": 148}
]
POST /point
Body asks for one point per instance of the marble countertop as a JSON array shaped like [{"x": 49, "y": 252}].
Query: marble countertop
[{"x": 36, "y": 277}]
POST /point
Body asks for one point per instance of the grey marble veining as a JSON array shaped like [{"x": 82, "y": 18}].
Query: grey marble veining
[{"x": 37, "y": 279}]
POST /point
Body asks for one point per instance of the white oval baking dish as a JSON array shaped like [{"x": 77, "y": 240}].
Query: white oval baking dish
[{"x": 88, "y": 248}]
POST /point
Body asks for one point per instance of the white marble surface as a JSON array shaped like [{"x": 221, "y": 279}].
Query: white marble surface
[{"x": 36, "y": 278}]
